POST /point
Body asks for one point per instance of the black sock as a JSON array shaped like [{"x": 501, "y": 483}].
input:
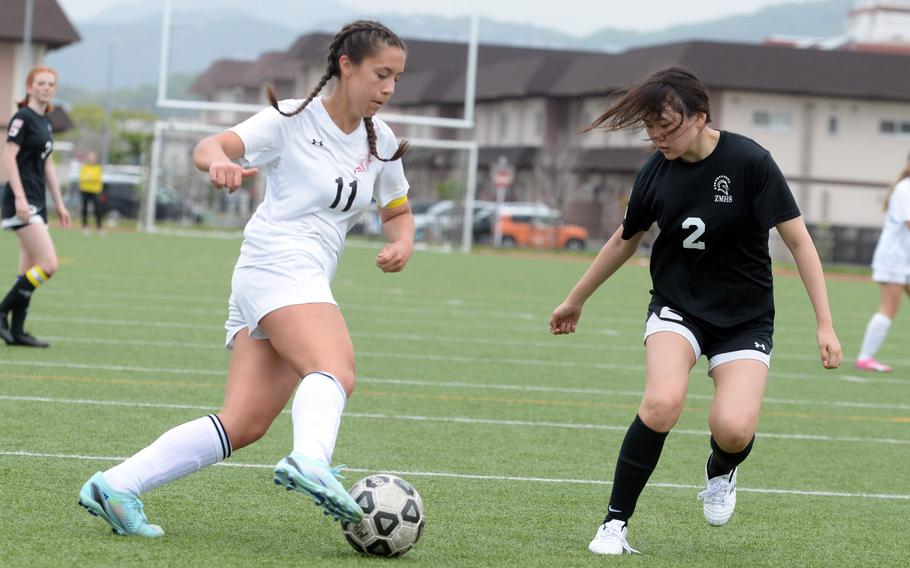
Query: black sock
[
  {"x": 637, "y": 459},
  {"x": 16, "y": 301},
  {"x": 20, "y": 312},
  {"x": 12, "y": 296},
  {"x": 722, "y": 462}
]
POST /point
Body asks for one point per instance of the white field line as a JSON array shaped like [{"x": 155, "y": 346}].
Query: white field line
[
  {"x": 537, "y": 329},
  {"x": 540, "y": 363},
  {"x": 474, "y": 314},
  {"x": 482, "y": 477},
  {"x": 413, "y": 337},
  {"x": 454, "y": 420},
  {"x": 459, "y": 384}
]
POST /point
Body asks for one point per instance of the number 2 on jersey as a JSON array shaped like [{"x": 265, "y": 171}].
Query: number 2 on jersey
[
  {"x": 692, "y": 241},
  {"x": 353, "y": 186}
]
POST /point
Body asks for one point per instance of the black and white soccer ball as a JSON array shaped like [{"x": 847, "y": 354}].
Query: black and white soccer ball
[{"x": 393, "y": 516}]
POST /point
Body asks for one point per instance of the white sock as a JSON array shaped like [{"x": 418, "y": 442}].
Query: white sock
[
  {"x": 177, "y": 453},
  {"x": 876, "y": 332},
  {"x": 316, "y": 415}
]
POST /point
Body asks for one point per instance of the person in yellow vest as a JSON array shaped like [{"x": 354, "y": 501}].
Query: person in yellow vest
[{"x": 90, "y": 186}]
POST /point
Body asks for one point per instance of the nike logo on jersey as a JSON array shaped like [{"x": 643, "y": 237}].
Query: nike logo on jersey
[
  {"x": 668, "y": 314},
  {"x": 722, "y": 190}
]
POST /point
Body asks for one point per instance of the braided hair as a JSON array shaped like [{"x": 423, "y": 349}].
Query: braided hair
[{"x": 357, "y": 40}]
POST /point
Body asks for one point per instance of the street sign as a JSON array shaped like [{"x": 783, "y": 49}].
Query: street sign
[
  {"x": 503, "y": 174},
  {"x": 503, "y": 179}
]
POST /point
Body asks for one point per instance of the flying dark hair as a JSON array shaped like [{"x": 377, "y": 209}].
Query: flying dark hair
[
  {"x": 644, "y": 102},
  {"x": 358, "y": 40}
]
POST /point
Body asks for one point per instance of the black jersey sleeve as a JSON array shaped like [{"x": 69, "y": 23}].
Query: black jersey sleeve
[
  {"x": 18, "y": 125},
  {"x": 772, "y": 200},
  {"x": 639, "y": 216}
]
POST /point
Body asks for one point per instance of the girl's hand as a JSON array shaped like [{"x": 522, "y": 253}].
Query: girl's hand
[
  {"x": 64, "y": 215},
  {"x": 394, "y": 256},
  {"x": 829, "y": 347},
  {"x": 22, "y": 210},
  {"x": 229, "y": 175},
  {"x": 565, "y": 318}
]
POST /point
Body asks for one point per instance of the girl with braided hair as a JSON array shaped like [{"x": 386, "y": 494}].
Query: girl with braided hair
[{"x": 324, "y": 157}]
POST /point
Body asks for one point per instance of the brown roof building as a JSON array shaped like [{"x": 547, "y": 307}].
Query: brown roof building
[
  {"x": 837, "y": 121},
  {"x": 51, "y": 29}
]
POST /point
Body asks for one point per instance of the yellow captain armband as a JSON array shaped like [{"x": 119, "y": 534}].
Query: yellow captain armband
[{"x": 396, "y": 202}]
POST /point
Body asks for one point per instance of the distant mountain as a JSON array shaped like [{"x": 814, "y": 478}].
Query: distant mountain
[
  {"x": 814, "y": 19},
  {"x": 286, "y": 13},
  {"x": 207, "y": 30},
  {"x": 136, "y": 46}
]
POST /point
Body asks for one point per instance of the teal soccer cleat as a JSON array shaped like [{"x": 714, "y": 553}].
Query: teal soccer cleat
[
  {"x": 122, "y": 511},
  {"x": 316, "y": 479}
]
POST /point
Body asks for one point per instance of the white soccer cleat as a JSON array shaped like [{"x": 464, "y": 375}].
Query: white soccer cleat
[
  {"x": 611, "y": 539},
  {"x": 719, "y": 498}
]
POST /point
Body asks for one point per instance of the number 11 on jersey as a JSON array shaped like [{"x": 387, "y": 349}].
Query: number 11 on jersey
[{"x": 353, "y": 186}]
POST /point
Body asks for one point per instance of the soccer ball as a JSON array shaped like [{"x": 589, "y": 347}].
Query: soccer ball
[{"x": 392, "y": 516}]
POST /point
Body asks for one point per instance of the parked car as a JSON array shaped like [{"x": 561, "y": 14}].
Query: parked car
[
  {"x": 122, "y": 193},
  {"x": 531, "y": 225},
  {"x": 439, "y": 220},
  {"x": 370, "y": 223},
  {"x": 542, "y": 231}
]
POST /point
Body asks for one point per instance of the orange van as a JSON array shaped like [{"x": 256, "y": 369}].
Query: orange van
[{"x": 542, "y": 231}]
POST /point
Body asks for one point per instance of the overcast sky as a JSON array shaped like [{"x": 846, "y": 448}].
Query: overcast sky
[{"x": 577, "y": 17}]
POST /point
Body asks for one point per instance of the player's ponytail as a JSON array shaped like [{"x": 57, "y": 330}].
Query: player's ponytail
[
  {"x": 358, "y": 40},
  {"x": 905, "y": 173}
]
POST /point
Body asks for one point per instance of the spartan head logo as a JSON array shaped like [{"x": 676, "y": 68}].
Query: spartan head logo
[{"x": 722, "y": 186}]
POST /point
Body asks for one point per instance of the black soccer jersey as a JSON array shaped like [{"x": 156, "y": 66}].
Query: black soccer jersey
[
  {"x": 711, "y": 258},
  {"x": 34, "y": 135}
]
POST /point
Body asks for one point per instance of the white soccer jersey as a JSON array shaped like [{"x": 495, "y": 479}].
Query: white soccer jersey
[
  {"x": 319, "y": 180},
  {"x": 892, "y": 253}
]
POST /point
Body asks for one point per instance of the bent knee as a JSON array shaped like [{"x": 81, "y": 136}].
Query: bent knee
[
  {"x": 344, "y": 377},
  {"x": 48, "y": 266},
  {"x": 733, "y": 436},
  {"x": 347, "y": 381},
  {"x": 660, "y": 413},
  {"x": 244, "y": 431}
]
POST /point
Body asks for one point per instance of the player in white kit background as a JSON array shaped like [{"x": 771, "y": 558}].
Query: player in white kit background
[
  {"x": 890, "y": 268},
  {"x": 324, "y": 159}
]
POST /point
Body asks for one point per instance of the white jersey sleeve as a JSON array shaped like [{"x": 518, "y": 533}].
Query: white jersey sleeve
[
  {"x": 264, "y": 134},
  {"x": 899, "y": 205},
  {"x": 391, "y": 184}
]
